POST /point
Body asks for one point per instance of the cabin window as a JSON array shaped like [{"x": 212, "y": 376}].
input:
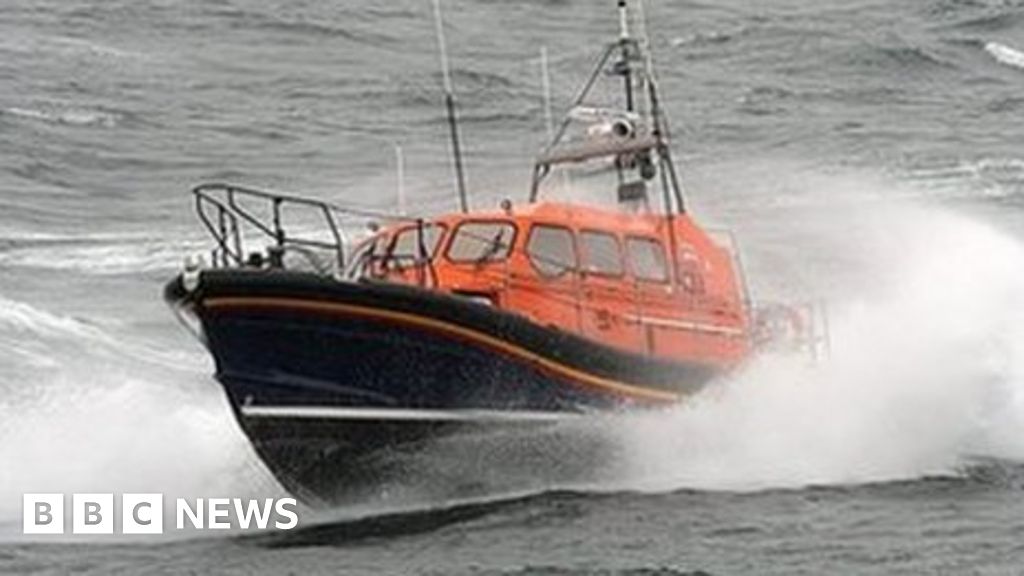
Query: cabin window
[
  {"x": 481, "y": 242},
  {"x": 551, "y": 250},
  {"x": 647, "y": 259},
  {"x": 406, "y": 249},
  {"x": 601, "y": 253}
]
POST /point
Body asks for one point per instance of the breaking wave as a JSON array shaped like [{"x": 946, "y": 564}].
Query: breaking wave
[
  {"x": 68, "y": 116},
  {"x": 1005, "y": 54},
  {"x": 84, "y": 410},
  {"x": 97, "y": 254}
]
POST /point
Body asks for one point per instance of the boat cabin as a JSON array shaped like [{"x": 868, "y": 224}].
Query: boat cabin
[{"x": 607, "y": 275}]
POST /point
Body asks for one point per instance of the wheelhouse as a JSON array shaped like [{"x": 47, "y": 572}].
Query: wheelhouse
[{"x": 624, "y": 279}]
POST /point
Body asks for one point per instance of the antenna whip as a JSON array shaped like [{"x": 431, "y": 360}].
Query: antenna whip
[{"x": 449, "y": 100}]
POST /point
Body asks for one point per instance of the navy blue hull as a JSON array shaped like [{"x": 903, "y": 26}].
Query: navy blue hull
[
  {"x": 325, "y": 375},
  {"x": 295, "y": 359}
]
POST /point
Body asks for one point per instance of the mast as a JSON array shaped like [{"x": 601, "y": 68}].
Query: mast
[
  {"x": 635, "y": 136},
  {"x": 449, "y": 101},
  {"x": 624, "y": 41}
]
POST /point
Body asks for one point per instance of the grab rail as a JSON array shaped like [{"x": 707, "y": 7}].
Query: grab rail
[
  {"x": 223, "y": 211},
  {"x": 220, "y": 210}
]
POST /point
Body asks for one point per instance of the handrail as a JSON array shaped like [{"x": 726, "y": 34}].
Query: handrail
[
  {"x": 220, "y": 208},
  {"x": 223, "y": 201}
]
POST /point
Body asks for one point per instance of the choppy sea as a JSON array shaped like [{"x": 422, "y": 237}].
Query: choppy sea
[{"x": 866, "y": 154}]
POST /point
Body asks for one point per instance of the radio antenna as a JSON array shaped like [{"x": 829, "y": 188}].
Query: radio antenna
[
  {"x": 449, "y": 101},
  {"x": 400, "y": 178},
  {"x": 545, "y": 87},
  {"x": 623, "y": 21},
  {"x": 549, "y": 119}
]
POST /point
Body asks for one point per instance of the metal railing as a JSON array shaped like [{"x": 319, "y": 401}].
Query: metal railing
[
  {"x": 221, "y": 209},
  {"x": 232, "y": 214},
  {"x": 800, "y": 327}
]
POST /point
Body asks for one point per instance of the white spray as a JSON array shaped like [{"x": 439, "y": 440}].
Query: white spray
[
  {"x": 926, "y": 373},
  {"x": 84, "y": 411}
]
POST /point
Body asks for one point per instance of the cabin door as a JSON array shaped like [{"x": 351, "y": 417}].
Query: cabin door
[
  {"x": 655, "y": 307},
  {"x": 606, "y": 296},
  {"x": 549, "y": 291}
]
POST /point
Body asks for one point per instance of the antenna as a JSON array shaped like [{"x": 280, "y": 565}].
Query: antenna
[
  {"x": 549, "y": 121},
  {"x": 449, "y": 100},
  {"x": 545, "y": 83},
  {"x": 645, "y": 40},
  {"x": 623, "y": 21},
  {"x": 646, "y": 52},
  {"x": 400, "y": 177},
  {"x": 625, "y": 42}
]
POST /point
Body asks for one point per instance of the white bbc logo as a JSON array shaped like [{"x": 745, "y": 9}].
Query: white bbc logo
[
  {"x": 93, "y": 514},
  {"x": 43, "y": 514},
  {"x": 142, "y": 514}
]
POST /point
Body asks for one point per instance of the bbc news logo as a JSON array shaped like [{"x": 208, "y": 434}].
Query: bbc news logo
[{"x": 144, "y": 514}]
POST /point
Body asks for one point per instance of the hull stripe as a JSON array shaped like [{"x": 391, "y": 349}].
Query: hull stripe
[
  {"x": 404, "y": 415},
  {"x": 551, "y": 366}
]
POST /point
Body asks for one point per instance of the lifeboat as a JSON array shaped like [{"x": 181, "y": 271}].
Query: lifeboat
[{"x": 330, "y": 347}]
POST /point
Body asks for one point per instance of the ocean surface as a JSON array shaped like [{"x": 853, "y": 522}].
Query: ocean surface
[{"x": 867, "y": 154}]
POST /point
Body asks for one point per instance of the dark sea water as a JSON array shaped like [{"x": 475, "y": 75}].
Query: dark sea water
[{"x": 867, "y": 154}]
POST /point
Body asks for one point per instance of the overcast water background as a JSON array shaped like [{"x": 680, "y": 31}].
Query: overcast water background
[{"x": 866, "y": 153}]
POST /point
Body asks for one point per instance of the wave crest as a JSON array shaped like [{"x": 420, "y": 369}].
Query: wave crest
[{"x": 1005, "y": 54}]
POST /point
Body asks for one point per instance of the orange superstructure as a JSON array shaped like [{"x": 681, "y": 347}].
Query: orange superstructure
[{"x": 620, "y": 278}]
